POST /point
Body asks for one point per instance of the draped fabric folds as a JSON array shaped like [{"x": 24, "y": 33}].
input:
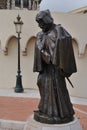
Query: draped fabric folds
[{"x": 54, "y": 60}]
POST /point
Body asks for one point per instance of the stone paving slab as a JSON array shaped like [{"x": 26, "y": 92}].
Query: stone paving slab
[
  {"x": 11, "y": 125},
  {"x": 19, "y": 109},
  {"x": 34, "y": 93},
  {"x": 15, "y": 109}
]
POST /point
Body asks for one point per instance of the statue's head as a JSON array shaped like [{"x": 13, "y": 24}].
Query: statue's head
[{"x": 44, "y": 19}]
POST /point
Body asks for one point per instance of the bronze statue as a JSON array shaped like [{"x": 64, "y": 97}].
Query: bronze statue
[{"x": 54, "y": 60}]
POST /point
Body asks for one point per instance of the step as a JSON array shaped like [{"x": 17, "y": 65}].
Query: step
[{"x": 11, "y": 125}]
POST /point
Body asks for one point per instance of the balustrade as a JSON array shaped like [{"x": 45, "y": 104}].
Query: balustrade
[{"x": 12, "y": 4}]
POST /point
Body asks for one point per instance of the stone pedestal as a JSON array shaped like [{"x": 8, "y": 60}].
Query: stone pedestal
[{"x": 34, "y": 125}]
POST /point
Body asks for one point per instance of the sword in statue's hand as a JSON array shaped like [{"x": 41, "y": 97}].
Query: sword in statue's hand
[{"x": 70, "y": 82}]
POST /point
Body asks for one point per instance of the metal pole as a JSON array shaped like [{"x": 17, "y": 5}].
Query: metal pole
[
  {"x": 19, "y": 87},
  {"x": 19, "y": 71}
]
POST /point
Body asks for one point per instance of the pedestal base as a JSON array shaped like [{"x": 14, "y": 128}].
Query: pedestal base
[
  {"x": 39, "y": 117},
  {"x": 34, "y": 125}
]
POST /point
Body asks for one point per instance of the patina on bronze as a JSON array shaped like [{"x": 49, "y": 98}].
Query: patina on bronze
[{"x": 54, "y": 60}]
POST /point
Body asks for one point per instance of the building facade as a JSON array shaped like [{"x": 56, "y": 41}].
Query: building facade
[
  {"x": 8, "y": 49},
  {"x": 20, "y": 4},
  {"x": 82, "y": 10},
  {"x": 3, "y": 4}
]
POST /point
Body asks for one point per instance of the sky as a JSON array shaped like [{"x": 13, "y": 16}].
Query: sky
[{"x": 62, "y": 5}]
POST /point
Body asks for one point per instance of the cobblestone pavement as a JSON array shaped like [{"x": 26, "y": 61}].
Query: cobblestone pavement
[{"x": 19, "y": 108}]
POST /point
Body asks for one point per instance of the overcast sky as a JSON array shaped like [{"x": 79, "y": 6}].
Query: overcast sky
[{"x": 62, "y": 5}]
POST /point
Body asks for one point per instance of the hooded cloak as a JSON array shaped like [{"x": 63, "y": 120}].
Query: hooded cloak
[
  {"x": 62, "y": 55},
  {"x": 54, "y": 60}
]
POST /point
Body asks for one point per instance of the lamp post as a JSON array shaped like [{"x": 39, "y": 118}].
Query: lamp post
[{"x": 18, "y": 27}]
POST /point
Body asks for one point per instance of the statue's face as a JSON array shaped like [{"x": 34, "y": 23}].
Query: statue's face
[
  {"x": 42, "y": 24},
  {"x": 44, "y": 20}
]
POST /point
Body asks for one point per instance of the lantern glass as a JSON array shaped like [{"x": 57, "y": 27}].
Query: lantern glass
[{"x": 18, "y": 25}]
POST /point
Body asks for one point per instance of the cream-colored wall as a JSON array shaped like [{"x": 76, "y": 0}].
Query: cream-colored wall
[
  {"x": 75, "y": 24},
  {"x": 79, "y": 79},
  {"x": 8, "y": 66}
]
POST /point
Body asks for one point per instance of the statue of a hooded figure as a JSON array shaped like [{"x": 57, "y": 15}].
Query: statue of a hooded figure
[{"x": 54, "y": 60}]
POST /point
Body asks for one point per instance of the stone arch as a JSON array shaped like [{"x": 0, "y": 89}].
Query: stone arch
[
  {"x": 74, "y": 41},
  {"x": 30, "y": 40},
  {"x": 7, "y": 44},
  {"x": 85, "y": 50},
  {"x": 27, "y": 63},
  {"x": 9, "y": 62},
  {"x": 75, "y": 46}
]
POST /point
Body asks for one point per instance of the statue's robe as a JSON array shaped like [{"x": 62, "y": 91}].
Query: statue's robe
[{"x": 54, "y": 60}]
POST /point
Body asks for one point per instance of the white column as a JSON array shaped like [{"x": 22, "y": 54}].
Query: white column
[
  {"x": 13, "y": 4},
  {"x": 33, "y": 5},
  {"x": 37, "y": 5},
  {"x": 21, "y": 4},
  {"x": 30, "y": 4},
  {"x": 8, "y": 4}
]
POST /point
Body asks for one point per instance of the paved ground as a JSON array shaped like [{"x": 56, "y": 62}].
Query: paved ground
[{"x": 19, "y": 106}]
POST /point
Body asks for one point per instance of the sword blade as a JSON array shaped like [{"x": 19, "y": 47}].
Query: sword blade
[{"x": 70, "y": 82}]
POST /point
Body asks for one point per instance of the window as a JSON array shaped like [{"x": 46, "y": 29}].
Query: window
[
  {"x": 25, "y": 3},
  {"x": 17, "y": 3}
]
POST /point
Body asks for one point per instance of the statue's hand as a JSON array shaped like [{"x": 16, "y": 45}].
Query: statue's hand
[
  {"x": 64, "y": 74},
  {"x": 45, "y": 56}
]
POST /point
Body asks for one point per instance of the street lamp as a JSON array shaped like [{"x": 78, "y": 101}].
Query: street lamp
[{"x": 18, "y": 27}]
